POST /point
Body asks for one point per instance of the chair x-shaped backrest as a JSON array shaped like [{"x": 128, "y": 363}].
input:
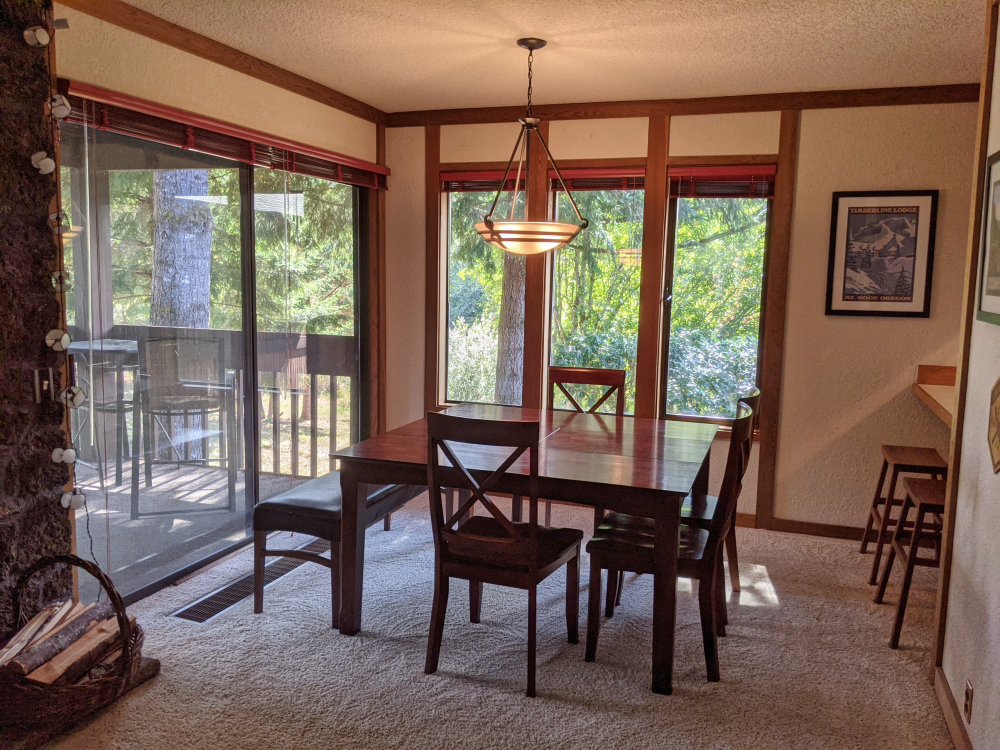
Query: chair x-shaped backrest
[
  {"x": 443, "y": 430},
  {"x": 559, "y": 377}
]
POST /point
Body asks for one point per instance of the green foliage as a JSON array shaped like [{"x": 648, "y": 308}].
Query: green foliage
[
  {"x": 715, "y": 311},
  {"x": 305, "y": 264},
  {"x": 595, "y": 290}
]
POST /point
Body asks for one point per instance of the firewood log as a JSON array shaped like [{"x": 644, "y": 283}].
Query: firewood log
[
  {"x": 77, "y": 660},
  {"x": 23, "y": 636},
  {"x": 57, "y": 641}
]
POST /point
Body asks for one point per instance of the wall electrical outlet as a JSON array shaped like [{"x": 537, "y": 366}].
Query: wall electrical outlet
[{"x": 967, "y": 708}]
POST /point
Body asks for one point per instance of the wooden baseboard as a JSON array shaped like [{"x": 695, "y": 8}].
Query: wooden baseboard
[
  {"x": 746, "y": 520},
  {"x": 816, "y": 529},
  {"x": 952, "y": 714}
]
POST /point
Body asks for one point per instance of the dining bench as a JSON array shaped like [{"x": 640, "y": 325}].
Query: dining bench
[{"x": 315, "y": 508}]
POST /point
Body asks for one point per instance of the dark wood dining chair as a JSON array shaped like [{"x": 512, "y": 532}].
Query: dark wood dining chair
[
  {"x": 626, "y": 544},
  {"x": 698, "y": 511},
  {"x": 926, "y": 498},
  {"x": 491, "y": 548},
  {"x": 560, "y": 377}
]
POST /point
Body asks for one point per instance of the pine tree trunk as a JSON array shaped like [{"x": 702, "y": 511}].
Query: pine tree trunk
[
  {"x": 182, "y": 249},
  {"x": 510, "y": 345},
  {"x": 182, "y": 261}
]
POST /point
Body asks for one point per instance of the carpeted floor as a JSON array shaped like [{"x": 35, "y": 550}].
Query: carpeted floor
[{"x": 805, "y": 665}]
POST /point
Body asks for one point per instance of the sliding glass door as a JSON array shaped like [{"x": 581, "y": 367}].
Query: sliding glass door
[
  {"x": 307, "y": 353},
  {"x": 218, "y": 370}
]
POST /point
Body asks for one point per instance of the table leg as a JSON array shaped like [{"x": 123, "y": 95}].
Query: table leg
[
  {"x": 665, "y": 544},
  {"x": 700, "y": 486},
  {"x": 352, "y": 550}
]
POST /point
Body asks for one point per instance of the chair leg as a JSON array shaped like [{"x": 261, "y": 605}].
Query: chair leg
[
  {"x": 706, "y": 605},
  {"x": 532, "y": 618},
  {"x": 882, "y": 532},
  {"x": 721, "y": 616},
  {"x": 147, "y": 436},
  {"x": 437, "y": 622},
  {"x": 875, "y": 503},
  {"x": 136, "y": 451},
  {"x": 515, "y": 508},
  {"x": 335, "y": 582},
  {"x": 734, "y": 562},
  {"x": 896, "y": 536},
  {"x": 259, "y": 548},
  {"x": 593, "y": 609},
  {"x": 475, "y": 600},
  {"x": 609, "y": 601},
  {"x": 621, "y": 587},
  {"x": 548, "y": 512},
  {"x": 904, "y": 591},
  {"x": 573, "y": 598},
  {"x": 387, "y": 523}
]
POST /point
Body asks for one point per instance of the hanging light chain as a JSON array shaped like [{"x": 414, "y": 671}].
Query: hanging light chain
[{"x": 531, "y": 57}]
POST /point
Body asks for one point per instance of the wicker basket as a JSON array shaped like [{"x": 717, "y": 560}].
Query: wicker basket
[{"x": 29, "y": 706}]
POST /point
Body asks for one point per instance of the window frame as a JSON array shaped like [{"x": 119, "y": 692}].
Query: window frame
[{"x": 669, "y": 245}]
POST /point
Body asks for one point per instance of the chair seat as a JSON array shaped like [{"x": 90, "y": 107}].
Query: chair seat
[
  {"x": 695, "y": 512},
  {"x": 914, "y": 458},
  {"x": 313, "y": 507},
  {"x": 633, "y": 547},
  {"x": 471, "y": 544}
]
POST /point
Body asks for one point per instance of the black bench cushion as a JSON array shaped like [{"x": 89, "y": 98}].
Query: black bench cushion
[{"x": 313, "y": 507}]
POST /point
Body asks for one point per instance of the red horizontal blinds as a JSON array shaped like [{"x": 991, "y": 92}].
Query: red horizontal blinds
[
  {"x": 477, "y": 182},
  {"x": 108, "y": 110},
  {"x": 742, "y": 181},
  {"x": 625, "y": 178}
]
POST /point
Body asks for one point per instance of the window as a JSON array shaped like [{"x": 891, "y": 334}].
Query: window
[
  {"x": 714, "y": 290},
  {"x": 167, "y": 271},
  {"x": 485, "y": 300},
  {"x": 595, "y": 287}
]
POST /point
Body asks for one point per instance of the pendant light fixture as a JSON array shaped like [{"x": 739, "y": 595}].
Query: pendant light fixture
[{"x": 523, "y": 237}]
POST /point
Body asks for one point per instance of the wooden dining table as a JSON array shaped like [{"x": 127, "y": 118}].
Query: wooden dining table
[{"x": 643, "y": 467}]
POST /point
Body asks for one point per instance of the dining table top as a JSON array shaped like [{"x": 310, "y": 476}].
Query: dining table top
[{"x": 651, "y": 454}]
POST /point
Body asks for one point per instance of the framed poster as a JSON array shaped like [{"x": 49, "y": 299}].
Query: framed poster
[
  {"x": 882, "y": 253},
  {"x": 989, "y": 272}
]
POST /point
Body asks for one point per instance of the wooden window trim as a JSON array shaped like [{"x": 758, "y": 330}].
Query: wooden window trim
[
  {"x": 654, "y": 227},
  {"x": 795, "y": 100},
  {"x": 775, "y": 304},
  {"x": 433, "y": 345}
]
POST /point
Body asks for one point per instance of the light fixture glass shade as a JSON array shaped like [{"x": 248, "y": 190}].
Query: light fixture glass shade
[{"x": 528, "y": 237}]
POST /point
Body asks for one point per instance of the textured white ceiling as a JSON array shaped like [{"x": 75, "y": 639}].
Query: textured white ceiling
[{"x": 430, "y": 54}]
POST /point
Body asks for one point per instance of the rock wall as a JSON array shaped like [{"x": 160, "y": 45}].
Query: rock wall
[{"x": 32, "y": 522}]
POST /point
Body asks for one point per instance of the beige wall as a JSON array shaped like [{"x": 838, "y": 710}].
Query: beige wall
[
  {"x": 846, "y": 386},
  {"x": 972, "y": 639},
  {"x": 98, "y": 53},
  {"x": 599, "y": 139},
  {"x": 725, "y": 135},
  {"x": 404, "y": 270}
]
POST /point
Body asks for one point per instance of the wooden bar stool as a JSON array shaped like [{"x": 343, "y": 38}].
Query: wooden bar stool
[
  {"x": 926, "y": 496},
  {"x": 897, "y": 459}
]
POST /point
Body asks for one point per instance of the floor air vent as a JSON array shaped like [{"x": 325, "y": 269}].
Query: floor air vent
[{"x": 218, "y": 601}]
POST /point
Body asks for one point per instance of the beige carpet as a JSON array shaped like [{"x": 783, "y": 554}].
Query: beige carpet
[{"x": 805, "y": 664}]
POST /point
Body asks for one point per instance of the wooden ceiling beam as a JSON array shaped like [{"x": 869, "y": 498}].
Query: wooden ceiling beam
[
  {"x": 798, "y": 100},
  {"x": 139, "y": 21}
]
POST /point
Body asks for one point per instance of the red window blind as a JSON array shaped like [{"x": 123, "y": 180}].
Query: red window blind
[
  {"x": 476, "y": 182},
  {"x": 751, "y": 181},
  {"x": 108, "y": 110}
]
